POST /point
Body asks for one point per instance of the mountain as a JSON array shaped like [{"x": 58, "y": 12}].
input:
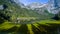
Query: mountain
[
  {"x": 14, "y": 10},
  {"x": 54, "y": 6},
  {"x": 16, "y": 2},
  {"x": 34, "y": 5},
  {"x": 39, "y": 8}
]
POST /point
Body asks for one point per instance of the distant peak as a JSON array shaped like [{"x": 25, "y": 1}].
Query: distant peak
[{"x": 35, "y": 3}]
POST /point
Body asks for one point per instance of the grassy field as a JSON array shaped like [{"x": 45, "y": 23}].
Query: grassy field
[{"x": 39, "y": 27}]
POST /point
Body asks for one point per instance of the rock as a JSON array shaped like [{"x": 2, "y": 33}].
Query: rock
[
  {"x": 53, "y": 6},
  {"x": 1, "y": 7}
]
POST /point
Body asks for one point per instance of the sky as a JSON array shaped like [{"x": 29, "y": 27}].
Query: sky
[{"x": 26, "y": 2}]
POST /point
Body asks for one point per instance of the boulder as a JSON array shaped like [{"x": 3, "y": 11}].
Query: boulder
[{"x": 1, "y": 7}]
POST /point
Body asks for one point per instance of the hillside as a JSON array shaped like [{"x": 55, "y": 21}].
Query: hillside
[{"x": 15, "y": 11}]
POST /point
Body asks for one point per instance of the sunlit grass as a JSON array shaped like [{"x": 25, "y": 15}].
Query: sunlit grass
[
  {"x": 49, "y": 21},
  {"x": 30, "y": 28},
  {"x": 7, "y": 25}
]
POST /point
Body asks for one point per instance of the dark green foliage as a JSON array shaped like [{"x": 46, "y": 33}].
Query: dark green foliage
[
  {"x": 5, "y": 6},
  {"x": 36, "y": 30},
  {"x": 4, "y": 14},
  {"x": 56, "y": 17},
  {"x": 46, "y": 11},
  {"x": 3, "y": 17},
  {"x": 13, "y": 29},
  {"x": 23, "y": 29},
  {"x": 59, "y": 15},
  {"x": 1, "y": 20},
  {"x": 51, "y": 29}
]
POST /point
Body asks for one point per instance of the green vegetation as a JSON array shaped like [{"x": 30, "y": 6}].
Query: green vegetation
[
  {"x": 17, "y": 20},
  {"x": 46, "y": 26}
]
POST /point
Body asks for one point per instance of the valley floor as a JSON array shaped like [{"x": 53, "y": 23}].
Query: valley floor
[{"x": 39, "y": 27}]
